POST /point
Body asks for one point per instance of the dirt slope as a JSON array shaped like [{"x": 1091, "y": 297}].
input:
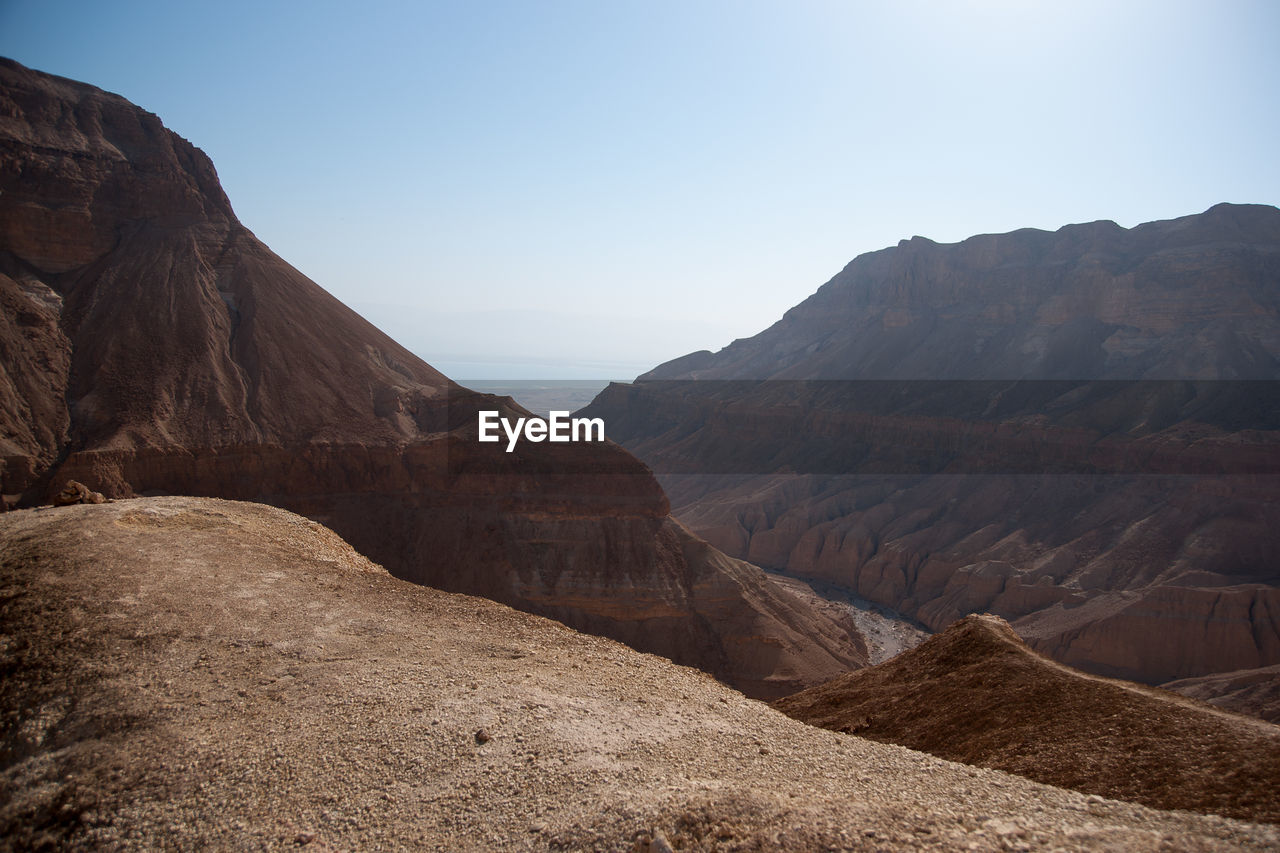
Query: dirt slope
[
  {"x": 192, "y": 673},
  {"x": 975, "y": 693}
]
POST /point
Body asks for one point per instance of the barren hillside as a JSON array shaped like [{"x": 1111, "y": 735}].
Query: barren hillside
[
  {"x": 975, "y": 693},
  {"x": 193, "y": 673}
]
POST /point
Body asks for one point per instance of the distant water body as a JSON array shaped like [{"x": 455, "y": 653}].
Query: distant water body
[{"x": 542, "y": 396}]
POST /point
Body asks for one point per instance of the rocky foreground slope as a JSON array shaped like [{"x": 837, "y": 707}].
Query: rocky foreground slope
[
  {"x": 975, "y": 693},
  {"x": 196, "y": 673},
  {"x": 150, "y": 343},
  {"x": 1076, "y": 430}
]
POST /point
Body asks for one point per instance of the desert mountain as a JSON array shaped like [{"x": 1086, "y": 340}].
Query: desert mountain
[
  {"x": 975, "y": 693},
  {"x": 1078, "y": 431},
  {"x": 150, "y": 343},
  {"x": 204, "y": 674},
  {"x": 1187, "y": 298}
]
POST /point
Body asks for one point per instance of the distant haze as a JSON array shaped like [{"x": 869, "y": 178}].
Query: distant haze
[
  {"x": 542, "y": 344},
  {"x": 623, "y": 182}
]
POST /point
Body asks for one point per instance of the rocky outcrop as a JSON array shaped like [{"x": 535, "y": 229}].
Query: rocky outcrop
[
  {"x": 1077, "y": 431},
  {"x": 75, "y": 492},
  {"x": 152, "y": 344},
  {"x": 35, "y": 364},
  {"x": 975, "y": 693}
]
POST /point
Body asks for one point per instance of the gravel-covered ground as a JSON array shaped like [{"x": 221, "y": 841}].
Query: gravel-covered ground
[{"x": 184, "y": 673}]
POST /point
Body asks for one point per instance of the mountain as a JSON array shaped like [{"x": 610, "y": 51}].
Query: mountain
[
  {"x": 1078, "y": 431},
  {"x": 1187, "y": 298},
  {"x": 151, "y": 343},
  {"x": 206, "y": 674},
  {"x": 975, "y": 693}
]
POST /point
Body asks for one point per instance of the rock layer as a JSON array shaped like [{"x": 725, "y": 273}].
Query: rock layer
[{"x": 152, "y": 344}]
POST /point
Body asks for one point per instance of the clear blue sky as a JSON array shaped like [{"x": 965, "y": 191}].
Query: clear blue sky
[{"x": 588, "y": 188}]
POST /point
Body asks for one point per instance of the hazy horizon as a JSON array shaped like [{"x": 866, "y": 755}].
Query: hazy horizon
[{"x": 636, "y": 181}]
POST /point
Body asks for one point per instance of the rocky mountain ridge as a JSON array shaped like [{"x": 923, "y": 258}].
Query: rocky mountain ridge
[{"x": 1186, "y": 298}]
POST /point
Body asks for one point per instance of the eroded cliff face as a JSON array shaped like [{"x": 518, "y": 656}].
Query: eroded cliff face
[
  {"x": 35, "y": 363},
  {"x": 1078, "y": 431},
  {"x": 152, "y": 344},
  {"x": 1142, "y": 578}
]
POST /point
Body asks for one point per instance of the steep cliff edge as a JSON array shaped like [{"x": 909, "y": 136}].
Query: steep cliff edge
[
  {"x": 1077, "y": 431},
  {"x": 151, "y": 343}
]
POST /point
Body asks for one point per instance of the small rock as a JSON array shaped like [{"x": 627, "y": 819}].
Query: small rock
[
  {"x": 303, "y": 838},
  {"x": 1005, "y": 828},
  {"x": 75, "y": 492},
  {"x": 659, "y": 843},
  {"x": 483, "y": 736}
]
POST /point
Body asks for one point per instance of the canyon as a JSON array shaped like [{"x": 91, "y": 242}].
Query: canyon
[
  {"x": 278, "y": 611},
  {"x": 1077, "y": 430}
]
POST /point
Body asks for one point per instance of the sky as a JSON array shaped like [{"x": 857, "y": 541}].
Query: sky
[{"x": 587, "y": 188}]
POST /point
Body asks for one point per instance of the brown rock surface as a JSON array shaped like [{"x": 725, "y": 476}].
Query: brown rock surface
[
  {"x": 77, "y": 493},
  {"x": 35, "y": 363},
  {"x": 976, "y": 693},
  {"x": 202, "y": 674},
  {"x": 1009, "y": 425},
  {"x": 152, "y": 344}
]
